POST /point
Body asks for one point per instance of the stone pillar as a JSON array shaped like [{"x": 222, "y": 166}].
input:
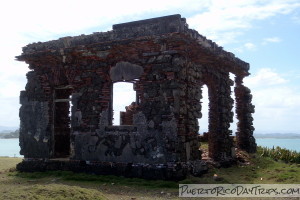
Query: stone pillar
[
  {"x": 220, "y": 116},
  {"x": 244, "y": 110}
]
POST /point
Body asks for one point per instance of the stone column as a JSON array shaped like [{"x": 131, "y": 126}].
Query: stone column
[
  {"x": 220, "y": 116},
  {"x": 244, "y": 110}
]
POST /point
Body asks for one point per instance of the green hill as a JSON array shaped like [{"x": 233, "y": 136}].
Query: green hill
[{"x": 13, "y": 134}]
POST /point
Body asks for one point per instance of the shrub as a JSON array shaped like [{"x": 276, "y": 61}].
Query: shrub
[{"x": 279, "y": 154}]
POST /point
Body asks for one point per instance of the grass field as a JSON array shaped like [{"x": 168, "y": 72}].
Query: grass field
[{"x": 67, "y": 185}]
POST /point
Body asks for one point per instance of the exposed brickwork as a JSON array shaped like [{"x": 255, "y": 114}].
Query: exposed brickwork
[{"x": 168, "y": 64}]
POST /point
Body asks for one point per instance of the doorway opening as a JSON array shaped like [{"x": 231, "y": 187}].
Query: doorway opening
[
  {"x": 125, "y": 101},
  {"x": 62, "y": 122}
]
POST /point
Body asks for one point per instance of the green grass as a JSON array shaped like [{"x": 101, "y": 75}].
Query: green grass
[
  {"x": 262, "y": 170},
  {"x": 97, "y": 179},
  {"x": 49, "y": 191},
  {"x": 6, "y": 163},
  {"x": 13, "y": 186},
  {"x": 69, "y": 185},
  {"x": 267, "y": 166}
]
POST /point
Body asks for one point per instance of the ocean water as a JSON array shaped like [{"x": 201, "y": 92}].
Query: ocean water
[
  {"x": 11, "y": 148},
  {"x": 291, "y": 144}
]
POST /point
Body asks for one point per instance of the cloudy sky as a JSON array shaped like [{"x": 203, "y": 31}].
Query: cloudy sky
[{"x": 264, "y": 33}]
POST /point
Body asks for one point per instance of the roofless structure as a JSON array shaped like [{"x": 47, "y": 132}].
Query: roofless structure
[{"x": 67, "y": 111}]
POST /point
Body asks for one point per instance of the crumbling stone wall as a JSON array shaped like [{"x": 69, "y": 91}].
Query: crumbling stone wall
[
  {"x": 35, "y": 117},
  {"x": 168, "y": 64},
  {"x": 244, "y": 108}
]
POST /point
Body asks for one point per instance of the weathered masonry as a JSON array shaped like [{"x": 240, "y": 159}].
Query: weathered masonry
[{"x": 66, "y": 108}]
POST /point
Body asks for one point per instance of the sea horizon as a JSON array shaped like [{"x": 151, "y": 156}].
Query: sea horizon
[{"x": 10, "y": 147}]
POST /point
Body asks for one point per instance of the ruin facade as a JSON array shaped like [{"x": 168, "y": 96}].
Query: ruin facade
[{"x": 66, "y": 108}]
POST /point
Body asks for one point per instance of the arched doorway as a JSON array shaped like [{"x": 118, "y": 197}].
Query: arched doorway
[{"x": 124, "y": 98}]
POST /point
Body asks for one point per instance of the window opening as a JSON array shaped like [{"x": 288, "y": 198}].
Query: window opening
[{"x": 124, "y": 103}]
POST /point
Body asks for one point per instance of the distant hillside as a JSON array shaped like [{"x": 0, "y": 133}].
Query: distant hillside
[
  {"x": 278, "y": 135},
  {"x": 7, "y": 129},
  {"x": 12, "y": 134}
]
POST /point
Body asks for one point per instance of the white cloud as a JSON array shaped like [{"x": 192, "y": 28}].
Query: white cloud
[
  {"x": 276, "y": 101},
  {"x": 247, "y": 46},
  {"x": 271, "y": 40},
  {"x": 250, "y": 46},
  {"x": 277, "y": 108},
  {"x": 263, "y": 78},
  {"x": 227, "y": 16},
  {"x": 9, "y": 111},
  {"x": 296, "y": 19}
]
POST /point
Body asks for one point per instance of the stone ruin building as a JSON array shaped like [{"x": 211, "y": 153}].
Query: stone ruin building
[{"x": 66, "y": 108}]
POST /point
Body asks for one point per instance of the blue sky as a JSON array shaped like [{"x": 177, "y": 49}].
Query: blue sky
[{"x": 264, "y": 33}]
